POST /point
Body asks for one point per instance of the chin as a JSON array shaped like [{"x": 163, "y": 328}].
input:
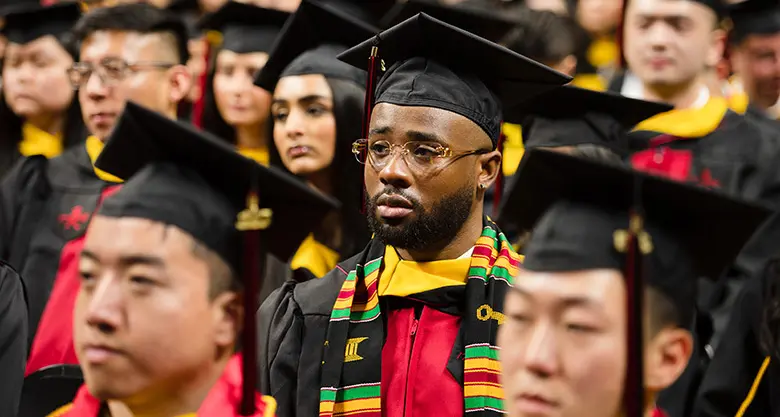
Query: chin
[{"x": 105, "y": 387}]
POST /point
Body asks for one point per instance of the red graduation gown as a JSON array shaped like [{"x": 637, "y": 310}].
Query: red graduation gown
[{"x": 223, "y": 400}]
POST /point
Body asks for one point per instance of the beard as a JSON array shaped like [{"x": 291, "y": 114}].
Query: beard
[{"x": 429, "y": 229}]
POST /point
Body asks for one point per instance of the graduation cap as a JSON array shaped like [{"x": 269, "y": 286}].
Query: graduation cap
[
  {"x": 28, "y": 23},
  {"x": 570, "y": 116},
  {"x": 245, "y": 28},
  {"x": 309, "y": 43},
  {"x": 589, "y": 215},
  {"x": 195, "y": 181},
  {"x": 189, "y": 11},
  {"x": 435, "y": 64},
  {"x": 491, "y": 26},
  {"x": 754, "y": 17}
]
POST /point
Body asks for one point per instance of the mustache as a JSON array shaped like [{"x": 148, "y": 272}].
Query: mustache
[{"x": 390, "y": 191}]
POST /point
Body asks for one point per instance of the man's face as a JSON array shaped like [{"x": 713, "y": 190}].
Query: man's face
[
  {"x": 757, "y": 63},
  {"x": 35, "y": 78},
  {"x": 144, "y": 323},
  {"x": 599, "y": 16},
  {"x": 414, "y": 207},
  {"x": 102, "y": 101},
  {"x": 670, "y": 42},
  {"x": 563, "y": 344}
]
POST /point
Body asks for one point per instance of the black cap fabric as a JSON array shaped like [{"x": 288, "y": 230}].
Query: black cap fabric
[
  {"x": 434, "y": 64},
  {"x": 491, "y": 26},
  {"x": 184, "y": 6},
  {"x": 369, "y": 11},
  {"x": 570, "y": 116},
  {"x": 754, "y": 17},
  {"x": 28, "y": 23},
  {"x": 309, "y": 43},
  {"x": 190, "y": 179},
  {"x": 575, "y": 207},
  {"x": 245, "y": 28},
  {"x": 48, "y": 389}
]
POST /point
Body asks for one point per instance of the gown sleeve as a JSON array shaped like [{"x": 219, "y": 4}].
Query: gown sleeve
[
  {"x": 21, "y": 181},
  {"x": 13, "y": 339},
  {"x": 736, "y": 363}
]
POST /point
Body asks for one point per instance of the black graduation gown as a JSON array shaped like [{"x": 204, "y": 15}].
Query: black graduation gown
[
  {"x": 737, "y": 360},
  {"x": 44, "y": 204},
  {"x": 13, "y": 339}
]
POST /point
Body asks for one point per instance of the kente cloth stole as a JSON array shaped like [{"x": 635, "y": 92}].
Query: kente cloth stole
[{"x": 350, "y": 384}]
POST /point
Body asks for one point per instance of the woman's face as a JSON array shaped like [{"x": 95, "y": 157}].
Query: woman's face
[
  {"x": 304, "y": 124},
  {"x": 239, "y": 101},
  {"x": 599, "y": 16},
  {"x": 35, "y": 79}
]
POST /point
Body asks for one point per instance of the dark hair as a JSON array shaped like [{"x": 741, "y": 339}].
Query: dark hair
[
  {"x": 211, "y": 120},
  {"x": 136, "y": 17},
  {"x": 74, "y": 132},
  {"x": 662, "y": 312},
  {"x": 542, "y": 36},
  {"x": 346, "y": 172}
]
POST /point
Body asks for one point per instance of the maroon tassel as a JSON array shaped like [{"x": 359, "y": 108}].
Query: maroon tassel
[
  {"x": 368, "y": 106},
  {"x": 499, "y": 187},
  {"x": 634, "y": 392},
  {"x": 252, "y": 278}
]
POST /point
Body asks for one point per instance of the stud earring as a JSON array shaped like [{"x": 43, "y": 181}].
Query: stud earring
[{"x": 482, "y": 186}]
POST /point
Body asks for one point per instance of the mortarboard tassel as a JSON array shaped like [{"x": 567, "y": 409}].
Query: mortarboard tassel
[
  {"x": 619, "y": 37},
  {"x": 634, "y": 384},
  {"x": 251, "y": 222},
  {"x": 499, "y": 186},
  {"x": 368, "y": 106}
]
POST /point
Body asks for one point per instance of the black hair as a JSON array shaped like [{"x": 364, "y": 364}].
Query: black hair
[
  {"x": 542, "y": 36},
  {"x": 136, "y": 17},
  {"x": 662, "y": 312},
  {"x": 346, "y": 172}
]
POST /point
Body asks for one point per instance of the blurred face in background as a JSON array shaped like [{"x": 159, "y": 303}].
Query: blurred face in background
[
  {"x": 670, "y": 43},
  {"x": 285, "y": 5},
  {"x": 599, "y": 16},
  {"x": 555, "y": 6},
  {"x": 304, "y": 123},
  {"x": 35, "y": 80},
  {"x": 239, "y": 101},
  {"x": 756, "y": 60}
]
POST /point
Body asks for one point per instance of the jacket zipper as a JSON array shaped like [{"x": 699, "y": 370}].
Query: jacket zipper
[{"x": 412, "y": 336}]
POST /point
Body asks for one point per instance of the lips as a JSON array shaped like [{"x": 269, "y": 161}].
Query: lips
[
  {"x": 96, "y": 354},
  {"x": 102, "y": 118},
  {"x": 535, "y": 405},
  {"x": 298, "y": 151},
  {"x": 393, "y": 206}
]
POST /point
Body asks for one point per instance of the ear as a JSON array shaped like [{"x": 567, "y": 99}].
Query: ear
[
  {"x": 567, "y": 65},
  {"x": 227, "y": 316},
  {"x": 717, "y": 47},
  {"x": 666, "y": 357},
  {"x": 489, "y": 166},
  {"x": 180, "y": 80}
]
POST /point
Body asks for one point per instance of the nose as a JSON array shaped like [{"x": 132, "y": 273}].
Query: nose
[
  {"x": 104, "y": 312},
  {"x": 95, "y": 88},
  {"x": 294, "y": 124},
  {"x": 396, "y": 172},
  {"x": 658, "y": 36},
  {"x": 541, "y": 354}
]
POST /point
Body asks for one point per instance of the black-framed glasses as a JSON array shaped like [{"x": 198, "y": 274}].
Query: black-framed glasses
[
  {"x": 419, "y": 156},
  {"x": 110, "y": 70}
]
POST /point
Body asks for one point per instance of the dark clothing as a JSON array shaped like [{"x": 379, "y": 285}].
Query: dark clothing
[{"x": 13, "y": 339}]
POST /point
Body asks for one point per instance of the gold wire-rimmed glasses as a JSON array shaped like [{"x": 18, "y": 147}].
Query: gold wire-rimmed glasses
[
  {"x": 110, "y": 70},
  {"x": 420, "y": 156}
]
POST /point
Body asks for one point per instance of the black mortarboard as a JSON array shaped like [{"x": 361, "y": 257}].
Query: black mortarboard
[
  {"x": 588, "y": 215},
  {"x": 491, "y": 26},
  {"x": 48, "y": 389},
  {"x": 309, "y": 43},
  {"x": 754, "y": 17},
  {"x": 189, "y": 12},
  {"x": 182, "y": 177},
  {"x": 434, "y": 64},
  {"x": 570, "y": 116},
  {"x": 28, "y": 23},
  {"x": 245, "y": 28}
]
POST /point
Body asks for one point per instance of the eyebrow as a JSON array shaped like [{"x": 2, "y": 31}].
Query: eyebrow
[
  {"x": 564, "y": 302},
  {"x": 129, "y": 260},
  {"x": 423, "y": 136},
  {"x": 304, "y": 99}
]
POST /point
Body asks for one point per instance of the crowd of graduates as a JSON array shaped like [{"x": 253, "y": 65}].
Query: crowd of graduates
[{"x": 380, "y": 208}]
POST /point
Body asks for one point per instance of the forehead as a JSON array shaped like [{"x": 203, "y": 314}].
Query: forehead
[
  {"x": 126, "y": 45},
  {"x": 669, "y": 8},
  {"x": 252, "y": 58},
  {"x": 448, "y": 126},
  {"x": 762, "y": 41},
  {"x": 602, "y": 287},
  {"x": 298, "y": 86},
  {"x": 44, "y": 43},
  {"x": 111, "y": 238}
]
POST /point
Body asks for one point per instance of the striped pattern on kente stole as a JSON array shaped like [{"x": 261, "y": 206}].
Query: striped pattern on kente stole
[
  {"x": 357, "y": 306},
  {"x": 364, "y": 400},
  {"x": 481, "y": 387},
  {"x": 493, "y": 258}
]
